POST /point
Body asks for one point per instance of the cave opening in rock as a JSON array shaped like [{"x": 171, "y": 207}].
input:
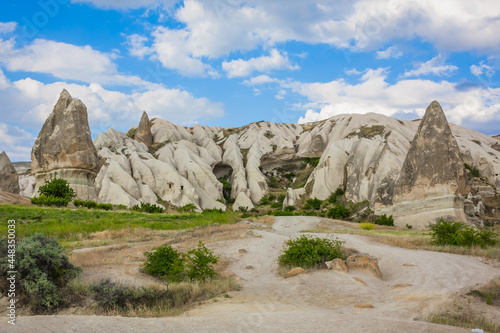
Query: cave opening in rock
[{"x": 223, "y": 172}]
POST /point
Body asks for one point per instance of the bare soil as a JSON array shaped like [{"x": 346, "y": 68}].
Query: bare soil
[{"x": 416, "y": 284}]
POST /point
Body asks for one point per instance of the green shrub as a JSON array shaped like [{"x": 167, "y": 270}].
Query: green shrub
[
  {"x": 338, "y": 212},
  {"x": 384, "y": 220},
  {"x": 335, "y": 195},
  {"x": 460, "y": 234},
  {"x": 189, "y": 208},
  {"x": 313, "y": 203},
  {"x": 313, "y": 161},
  {"x": 289, "y": 176},
  {"x": 50, "y": 201},
  {"x": 148, "y": 208},
  {"x": 276, "y": 205},
  {"x": 200, "y": 263},
  {"x": 165, "y": 262},
  {"x": 58, "y": 188},
  {"x": 307, "y": 251},
  {"x": 289, "y": 208},
  {"x": 474, "y": 172},
  {"x": 42, "y": 271},
  {"x": 107, "y": 206},
  {"x": 366, "y": 226}
]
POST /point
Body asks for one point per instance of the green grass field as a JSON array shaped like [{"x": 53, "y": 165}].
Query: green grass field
[{"x": 69, "y": 225}]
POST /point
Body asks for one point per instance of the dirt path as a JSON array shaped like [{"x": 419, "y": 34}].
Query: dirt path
[{"x": 320, "y": 301}]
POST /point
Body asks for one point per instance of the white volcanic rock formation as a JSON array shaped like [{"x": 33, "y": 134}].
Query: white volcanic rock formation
[
  {"x": 64, "y": 148},
  {"x": 143, "y": 133},
  {"x": 9, "y": 181},
  {"x": 432, "y": 180}
]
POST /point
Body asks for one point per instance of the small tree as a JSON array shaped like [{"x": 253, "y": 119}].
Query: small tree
[
  {"x": 58, "y": 188},
  {"x": 200, "y": 263}
]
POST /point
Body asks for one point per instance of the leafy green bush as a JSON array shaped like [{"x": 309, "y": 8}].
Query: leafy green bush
[
  {"x": 86, "y": 204},
  {"x": 105, "y": 206},
  {"x": 460, "y": 234},
  {"x": 276, "y": 205},
  {"x": 148, "y": 208},
  {"x": 289, "y": 176},
  {"x": 384, "y": 220},
  {"x": 50, "y": 201},
  {"x": 58, "y": 188},
  {"x": 474, "y": 172},
  {"x": 335, "y": 195},
  {"x": 313, "y": 203},
  {"x": 289, "y": 208},
  {"x": 42, "y": 271},
  {"x": 338, "y": 212},
  {"x": 313, "y": 161},
  {"x": 200, "y": 263},
  {"x": 189, "y": 208},
  {"x": 165, "y": 262},
  {"x": 173, "y": 266},
  {"x": 307, "y": 251},
  {"x": 366, "y": 226}
]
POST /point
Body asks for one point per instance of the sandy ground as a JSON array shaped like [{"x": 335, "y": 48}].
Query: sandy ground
[{"x": 319, "y": 301}]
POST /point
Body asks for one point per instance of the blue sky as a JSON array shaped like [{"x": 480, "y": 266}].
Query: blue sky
[{"x": 231, "y": 62}]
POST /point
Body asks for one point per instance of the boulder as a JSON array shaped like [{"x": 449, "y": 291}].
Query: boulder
[
  {"x": 9, "y": 181},
  {"x": 243, "y": 201},
  {"x": 364, "y": 262},
  {"x": 143, "y": 133},
  {"x": 64, "y": 148},
  {"x": 337, "y": 265},
  {"x": 364, "y": 306},
  {"x": 432, "y": 176},
  {"x": 295, "y": 271}
]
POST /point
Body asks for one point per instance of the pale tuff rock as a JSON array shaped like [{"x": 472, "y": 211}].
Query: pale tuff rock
[
  {"x": 143, "y": 133},
  {"x": 9, "y": 180},
  {"x": 242, "y": 200},
  {"x": 364, "y": 262},
  {"x": 292, "y": 196},
  {"x": 64, "y": 148},
  {"x": 433, "y": 175},
  {"x": 27, "y": 185},
  {"x": 361, "y": 154}
]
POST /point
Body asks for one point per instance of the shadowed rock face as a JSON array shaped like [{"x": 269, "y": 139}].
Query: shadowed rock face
[
  {"x": 433, "y": 173},
  {"x": 9, "y": 181},
  {"x": 143, "y": 133},
  {"x": 64, "y": 148}
]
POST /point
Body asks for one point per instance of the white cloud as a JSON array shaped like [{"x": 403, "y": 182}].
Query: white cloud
[
  {"x": 7, "y": 27},
  {"x": 275, "y": 61},
  {"x": 478, "y": 70},
  {"x": 64, "y": 61},
  {"x": 212, "y": 29},
  {"x": 435, "y": 66},
  {"x": 136, "y": 46},
  {"x": 259, "y": 80},
  {"x": 126, "y": 4},
  {"x": 4, "y": 82},
  {"x": 390, "y": 52},
  {"x": 374, "y": 94},
  {"x": 16, "y": 142}
]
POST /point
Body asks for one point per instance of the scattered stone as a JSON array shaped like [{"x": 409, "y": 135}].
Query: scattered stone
[
  {"x": 359, "y": 280},
  {"x": 337, "y": 265},
  {"x": 295, "y": 271},
  {"x": 9, "y": 180},
  {"x": 402, "y": 285},
  {"x": 408, "y": 265},
  {"x": 242, "y": 251},
  {"x": 364, "y": 306},
  {"x": 227, "y": 274},
  {"x": 64, "y": 148},
  {"x": 364, "y": 262},
  {"x": 249, "y": 267},
  {"x": 143, "y": 133}
]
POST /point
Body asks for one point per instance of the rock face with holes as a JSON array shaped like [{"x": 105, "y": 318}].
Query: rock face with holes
[
  {"x": 433, "y": 180},
  {"x": 64, "y": 148},
  {"x": 9, "y": 181}
]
